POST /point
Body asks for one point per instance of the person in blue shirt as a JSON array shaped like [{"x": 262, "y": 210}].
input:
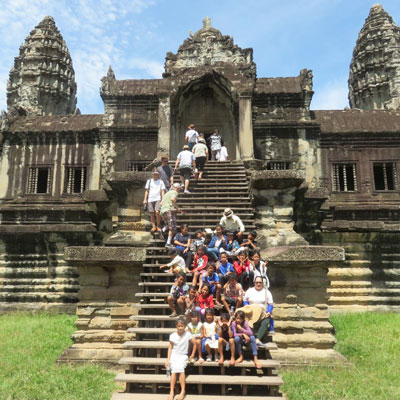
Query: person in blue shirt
[
  {"x": 211, "y": 279},
  {"x": 232, "y": 245},
  {"x": 224, "y": 269},
  {"x": 218, "y": 241}
]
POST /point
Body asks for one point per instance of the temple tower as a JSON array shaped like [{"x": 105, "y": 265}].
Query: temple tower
[
  {"x": 374, "y": 82},
  {"x": 42, "y": 81}
]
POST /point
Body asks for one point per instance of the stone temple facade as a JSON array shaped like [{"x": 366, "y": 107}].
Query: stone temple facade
[{"x": 63, "y": 174}]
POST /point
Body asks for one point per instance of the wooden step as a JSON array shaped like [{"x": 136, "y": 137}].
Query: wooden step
[
  {"x": 147, "y": 361},
  {"x": 151, "y": 396},
  {"x": 203, "y": 379}
]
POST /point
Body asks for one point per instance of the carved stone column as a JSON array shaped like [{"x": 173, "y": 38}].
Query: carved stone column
[
  {"x": 246, "y": 144},
  {"x": 164, "y": 126}
]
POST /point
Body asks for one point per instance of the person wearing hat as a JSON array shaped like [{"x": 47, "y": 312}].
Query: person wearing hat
[
  {"x": 185, "y": 161},
  {"x": 231, "y": 222},
  {"x": 166, "y": 172},
  {"x": 191, "y": 136},
  {"x": 153, "y": 195},
  {"x": 169, "y": 208},
  {"x": 200, "y": 151}
]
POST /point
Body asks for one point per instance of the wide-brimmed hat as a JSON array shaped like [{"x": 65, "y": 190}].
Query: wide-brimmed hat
[
  {"x": 186, "y": 147},
  {"x": 228, "y": 212},
  {"x": 202, "y": 140},
  {"x": 176, "y": 185}
]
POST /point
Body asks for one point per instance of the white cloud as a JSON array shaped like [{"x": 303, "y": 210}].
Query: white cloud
[
  {"x": 144, "y": 66},
  {"x": 332, "y": 96}
]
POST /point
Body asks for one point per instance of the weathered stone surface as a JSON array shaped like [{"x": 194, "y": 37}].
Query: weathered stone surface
[
  {"x": 277, "y": 179},
  {"x": 43, "y": 54},
  {"x": 103, "y": 255},
  {"x": 305, "y": 254}
]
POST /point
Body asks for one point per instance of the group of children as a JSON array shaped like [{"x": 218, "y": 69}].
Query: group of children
[
  {"x": 222, "y": 268},
  {"x": 214, "y": 335}
]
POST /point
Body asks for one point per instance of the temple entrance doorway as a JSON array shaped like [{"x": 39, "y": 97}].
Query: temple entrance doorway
[{"x": 209, "y": 106}]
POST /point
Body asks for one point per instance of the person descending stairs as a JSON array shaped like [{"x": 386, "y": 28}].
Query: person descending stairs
[{"x": 224, "y": 185}]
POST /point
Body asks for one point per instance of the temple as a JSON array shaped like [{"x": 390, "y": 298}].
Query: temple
[{"x": 324, "y": 184}]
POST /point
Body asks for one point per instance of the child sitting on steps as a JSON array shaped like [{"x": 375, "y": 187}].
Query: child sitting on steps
[
  {"x": 243, "y": 334},
  {"x": 209, "y": 335}
]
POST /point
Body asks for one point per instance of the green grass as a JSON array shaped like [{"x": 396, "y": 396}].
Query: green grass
[
  {"x": 371, "y": 342},
  {"x": 29, "y": 347}
]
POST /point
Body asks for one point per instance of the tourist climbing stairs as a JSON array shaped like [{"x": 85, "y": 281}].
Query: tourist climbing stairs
[{"x": 224, "y": 185}]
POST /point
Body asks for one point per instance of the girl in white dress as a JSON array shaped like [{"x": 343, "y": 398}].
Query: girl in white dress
[
  {"x": 177, "y": 358},
  {"x": 209, "y": 334}
]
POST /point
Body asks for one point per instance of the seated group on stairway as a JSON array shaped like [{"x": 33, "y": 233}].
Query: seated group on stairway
[{"x": 227, "y": 277}]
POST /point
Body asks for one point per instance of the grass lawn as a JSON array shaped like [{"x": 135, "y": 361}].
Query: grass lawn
[
  {"x": 30, "y": 344},
  {"x": 371, "y": 342}
]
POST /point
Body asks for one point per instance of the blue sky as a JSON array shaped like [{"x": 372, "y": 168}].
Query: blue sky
[{"x": 134, "y": 36}]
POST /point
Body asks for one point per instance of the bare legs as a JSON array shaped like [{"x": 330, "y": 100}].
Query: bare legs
[
  {"x": 221, "y": 345},
  {"x": 172, "y": 383}
]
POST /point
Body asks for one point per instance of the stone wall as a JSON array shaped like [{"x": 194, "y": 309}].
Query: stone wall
[
  {"x": 369, "y": 279},
  {"x": 299, "y": 283},
  {"x": 108, "y": 279},
  {"x": 273, "y": 198}
]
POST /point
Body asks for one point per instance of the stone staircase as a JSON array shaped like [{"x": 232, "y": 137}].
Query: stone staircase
[
  {"x": 369, "y": 278},
  {"x": 225, "y": 185}
]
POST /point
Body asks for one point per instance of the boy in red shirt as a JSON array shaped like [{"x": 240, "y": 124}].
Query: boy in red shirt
[
  {"x": 199, "y": 265},
  {"x": 242, "y": 268}
]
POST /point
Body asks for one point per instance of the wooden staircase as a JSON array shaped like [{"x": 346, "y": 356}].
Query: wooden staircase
[{"x": 225, "y": 185}]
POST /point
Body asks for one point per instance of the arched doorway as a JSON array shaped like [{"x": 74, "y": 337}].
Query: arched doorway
[{"x": 208, "y": 104}]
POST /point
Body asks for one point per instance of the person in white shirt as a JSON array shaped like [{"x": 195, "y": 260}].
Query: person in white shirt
[
  {"x": 258, "y": 308},
  {"x": 153, "y": 194},
  {"x": 200, "y": 151},
  {"x": 177, "y": 358},
  {"x": 191, "y": 136},
  {"x": 232, "y": 223},
  {"x": 186, "y": 162},
  {"x": 223, "y": 154}
]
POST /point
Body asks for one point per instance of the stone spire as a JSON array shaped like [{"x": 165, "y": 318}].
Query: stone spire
[
  {"x": 374, "y": 82},
  {"x": 42, "y": 81}
]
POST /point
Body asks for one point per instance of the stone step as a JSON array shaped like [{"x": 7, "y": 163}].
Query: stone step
[
  {"x": 152, "y": 295},
  {"x": 158, "y": 344},
  {"x": 364, "y": 300},
  {"x": 160, "y": 306},
  {"x": 206, "y": 219},
  {"x": 161, "y": 275},
  {"x": 202, "y": 379},
  {"x": 185, "y": 202},
  {"x": 219, "y": 210},
  {"x": 220, "y": 196},
  {"x": 199, "y": 213},
  {"x": 147, "y": 361},
  {"x": 153, "y": 396},
  {"x": 164, "y": 285},
  {"x": 365, "y": 291}
]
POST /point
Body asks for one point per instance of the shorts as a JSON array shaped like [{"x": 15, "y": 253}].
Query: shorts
[
  {"x": 186, "y": 172},
  {"x": 200, "y": 162},
  {"x": 153, "y": 206},
  {"x": 169, "y": 218},
  {"x": 231, "y": 301}
]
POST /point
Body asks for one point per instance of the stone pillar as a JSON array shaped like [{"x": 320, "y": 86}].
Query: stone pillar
[
  {"x": 164, "y": 126},
  {"x": 246, "y": 144}
]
